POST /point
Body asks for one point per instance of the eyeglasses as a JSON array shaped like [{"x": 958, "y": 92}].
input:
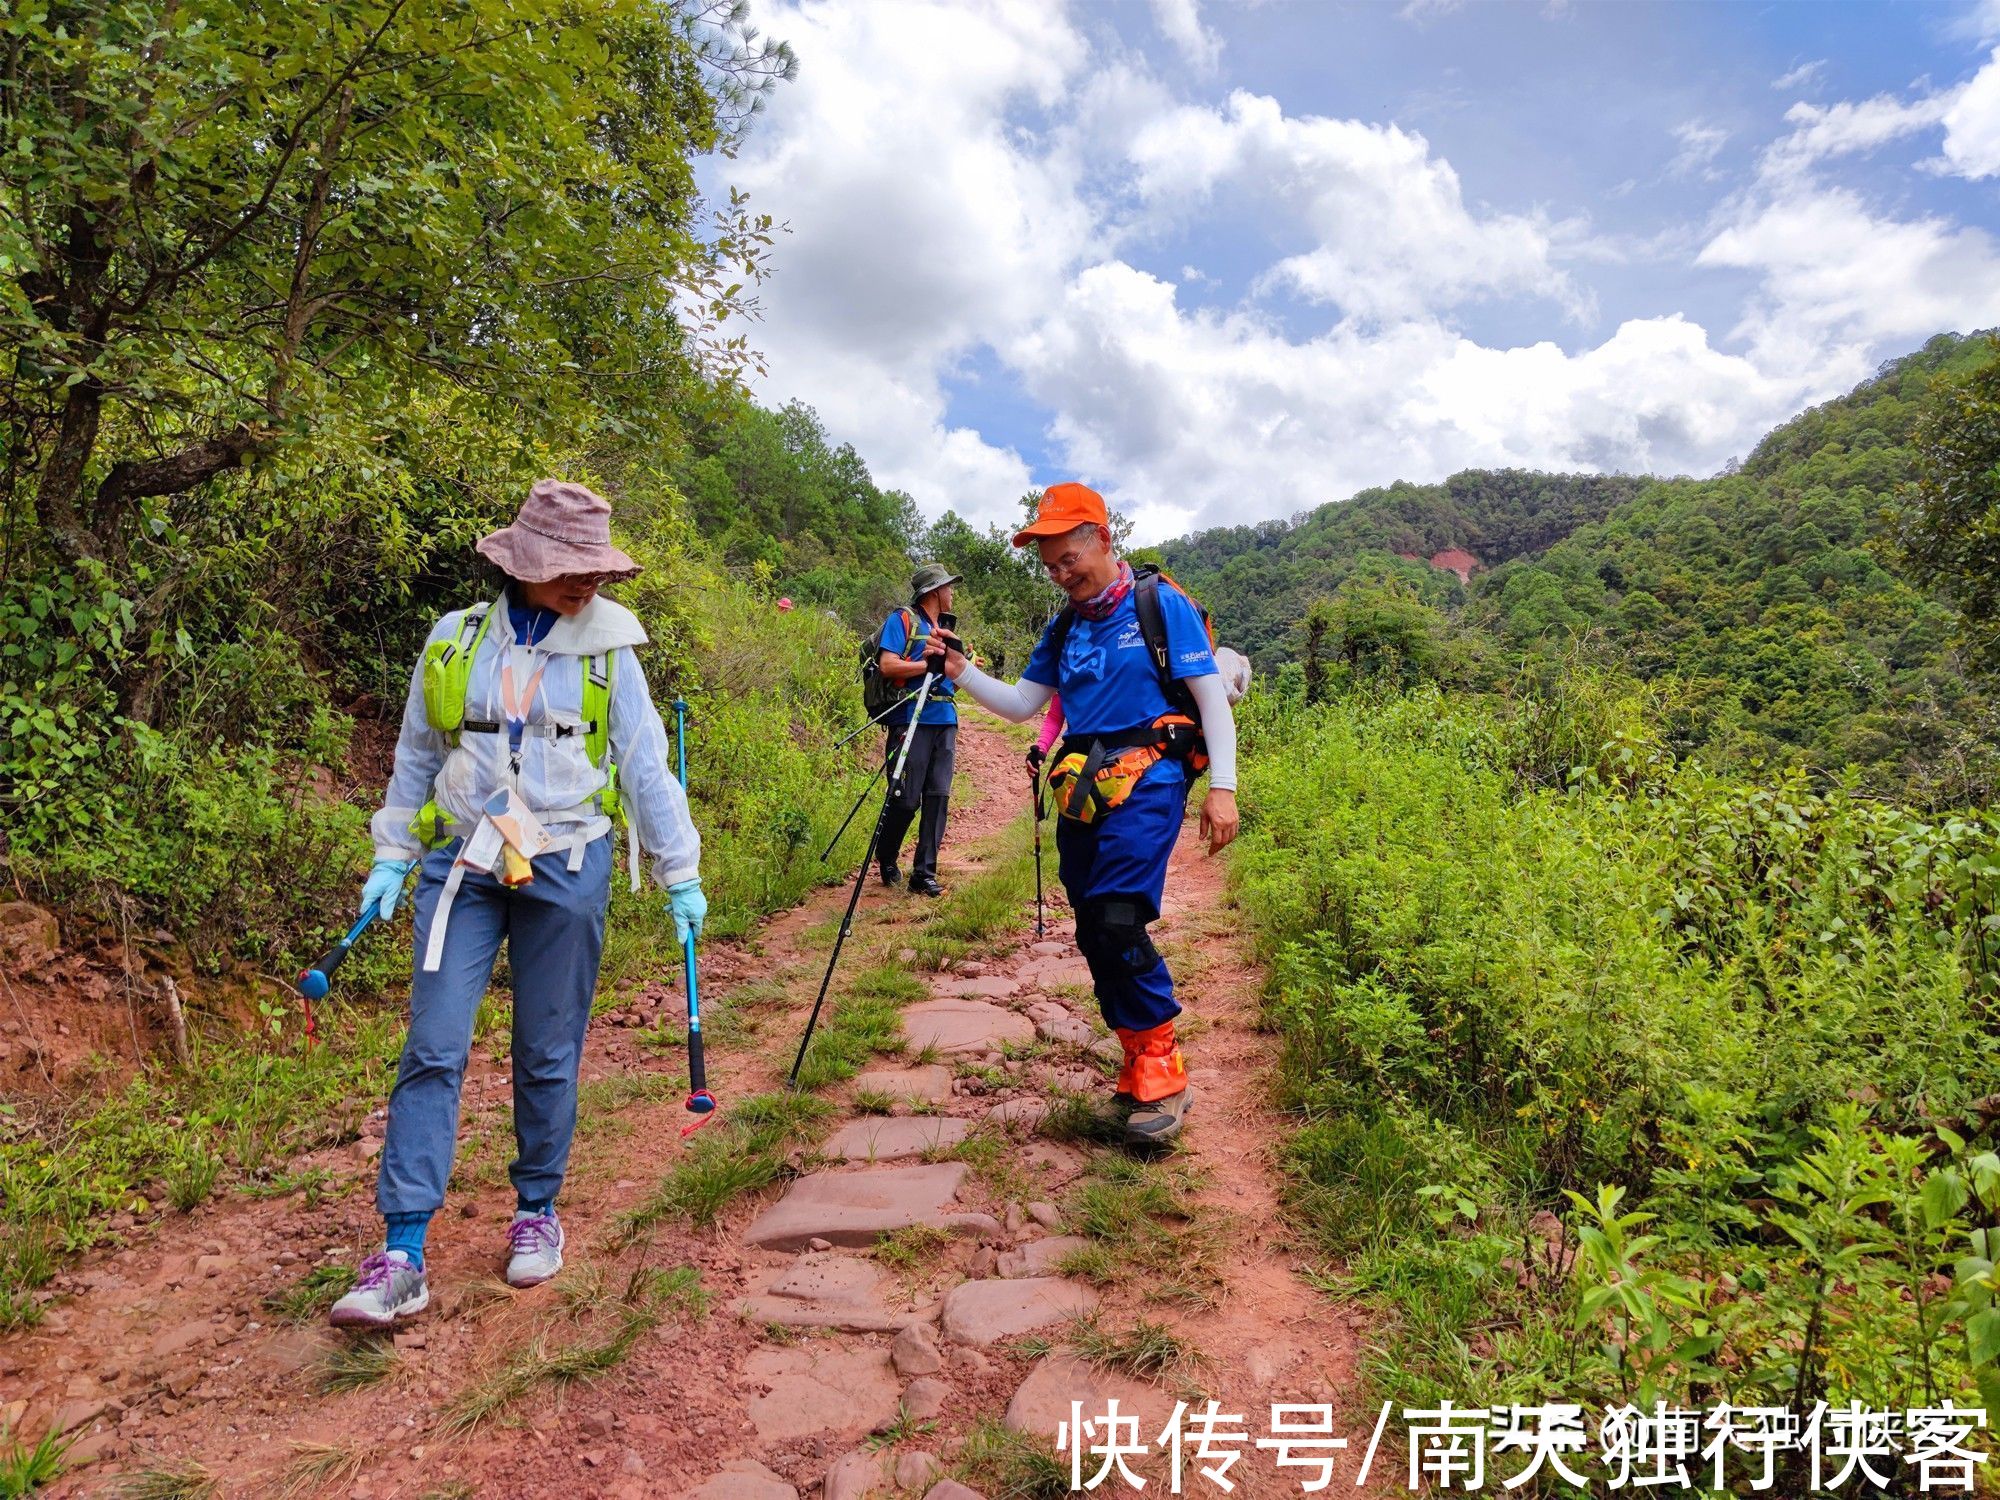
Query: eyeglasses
[
  {"x": 1064, "y": 564},
  {"x": 585, "y": 580}
]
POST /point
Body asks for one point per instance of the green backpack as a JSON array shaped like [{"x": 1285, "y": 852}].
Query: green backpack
[
  {"x": 877, "y": 691},
  {"x": 447, "y": 670}
]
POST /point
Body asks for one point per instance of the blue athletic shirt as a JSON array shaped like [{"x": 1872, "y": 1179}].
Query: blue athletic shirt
[
  {"x": 1106, "y": 675},
  {"x": 938, "y": 708}
]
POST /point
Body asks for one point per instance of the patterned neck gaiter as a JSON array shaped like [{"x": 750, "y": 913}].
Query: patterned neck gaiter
[{"x": 1099, "y": 606}]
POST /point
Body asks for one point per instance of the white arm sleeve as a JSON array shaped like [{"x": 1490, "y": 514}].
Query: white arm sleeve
[
  {"x": 1015, "y": 702},
  {"x": 647, "y": 787},
  {"x": 1218, "y": 727},
  {"x": 420, "y": 752}
]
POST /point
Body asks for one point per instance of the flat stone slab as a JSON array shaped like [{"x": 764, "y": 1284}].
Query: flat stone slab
[
  {"x": 1040, "y": 1257},
  {"x": 1073, "y": 1030},
  {"x": 1047, "y": 973},
  {"x": 892, "y": 1139},
  {"x": 964, "y": 1026},
  {"x": 929, "y": 1084},
  {"x": 1049, "y": 948},
  {"x": 744, "y": 1479},
  {"x": 988, "y": 986},
  {"x": 827, "y": 1278},
  {"x": 820, "y": 1391},
  {"x": 1043, "y": 1399},
  {"x": 985, "y": 1312},
  {"x": 848, "y": 1317},
  {"x": 854, "y": 1208},
  {"x": 1027, "y": 1110}
]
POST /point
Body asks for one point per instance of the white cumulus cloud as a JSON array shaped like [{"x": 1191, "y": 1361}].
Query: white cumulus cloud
[
  {"x": 972, "y": 184},
  {"x": 1180, "y": 23},
  {"x": 1972, "y": 125},
  {"x": 1389, "y": 233}
]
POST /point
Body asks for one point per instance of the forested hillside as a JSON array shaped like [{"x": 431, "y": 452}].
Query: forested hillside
[{"x": 1772, "y": 608}]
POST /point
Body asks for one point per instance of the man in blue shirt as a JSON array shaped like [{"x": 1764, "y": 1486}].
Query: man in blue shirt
[
  {"x": 1121, "y": 778},
  {"x": 933, "y": 751}
]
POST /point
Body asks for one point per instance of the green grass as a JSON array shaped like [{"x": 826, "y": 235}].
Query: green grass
[
  {"x": 1145, "y": 1349},
  {"x": 190, "y": 1176},
  {"x": 852, "y": 1030},
  {"x": 355, "y": 1364},
  {"x": 742, "y": 1152},
  {"x": 983, "y": 906},
  {"x": 914, "y": 1249},
  {"x": 1003, "y": 1464},
  {"x": 66, "y": 1167},
  {"x": 650, "y": 1297},
  {"x": 312, "y": 1294},
  {"x": 1082, "y": 1119},
  {"x": 902, "y": 1428},
  {"x": 599, "y": 1101},
  {"x": 317, "y": 1465},
  {"x": 1155, "y": 1238},
  {"x": 24, "y": 1469},
  {"x": 874, "y": 1102},
  {"x": 312, "y": 1182},
  {"x": 175, "y": 1479}
]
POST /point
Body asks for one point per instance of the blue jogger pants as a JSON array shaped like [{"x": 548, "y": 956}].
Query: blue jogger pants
[
  {"x": 554, "y": 930},
  {"x": 1118, "y": 864}
]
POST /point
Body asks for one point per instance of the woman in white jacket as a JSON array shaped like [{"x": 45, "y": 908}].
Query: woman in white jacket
[{"x": 527, "y": 725}]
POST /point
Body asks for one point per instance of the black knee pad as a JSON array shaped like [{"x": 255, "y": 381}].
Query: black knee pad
[{"x": 1112, "y": 930}]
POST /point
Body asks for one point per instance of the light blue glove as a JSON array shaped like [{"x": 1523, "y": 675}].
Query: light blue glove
[
  {"x": 385, "y": 885},
  {"x": 688, "y": 907}
]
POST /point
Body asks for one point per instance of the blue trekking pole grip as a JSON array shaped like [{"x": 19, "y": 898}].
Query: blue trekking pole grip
[
  {"x": 700, "y": 1101},
  {"x": 313, "y": 982}
]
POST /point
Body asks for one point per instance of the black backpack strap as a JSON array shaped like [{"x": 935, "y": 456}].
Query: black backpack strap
[
  {"x": 1059, "y": 638},
  {"x": 1153, "y": 624}
]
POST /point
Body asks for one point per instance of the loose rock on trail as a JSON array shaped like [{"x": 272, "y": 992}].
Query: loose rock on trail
[{"x": 915, "y": 1279}]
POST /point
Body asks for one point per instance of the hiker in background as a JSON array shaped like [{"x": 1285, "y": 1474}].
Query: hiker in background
[
  {"x": 1120, "y": 781},
  {"x": 934, "y": 750},
  {"x": 528, "y": 728}
]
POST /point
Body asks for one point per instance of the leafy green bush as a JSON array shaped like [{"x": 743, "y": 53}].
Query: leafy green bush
[{"x": 1511, "y": 965}]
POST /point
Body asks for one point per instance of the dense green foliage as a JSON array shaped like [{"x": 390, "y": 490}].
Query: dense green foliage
[
  {"x": 1772, "y": 604},
  {"x": 1951, "y": 530},
  {"x": 1263, "y": 579},
  {"x": 277, "y": 372},
  {"x": 1521, "y": 956}
]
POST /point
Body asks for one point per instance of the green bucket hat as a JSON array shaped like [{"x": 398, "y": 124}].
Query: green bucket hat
[{"x": 932, "y": 576}]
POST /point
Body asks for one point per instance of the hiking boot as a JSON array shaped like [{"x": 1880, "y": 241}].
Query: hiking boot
[
  {"x": 891, "y": 876},
  {"x": 925, "y": 885},
  {"x": 1158, "y": 1122},
  {"x": 387, "y": 1289},
  {"x": 1154, "y": 1082},
  {"x": 535, "y": 1243}
]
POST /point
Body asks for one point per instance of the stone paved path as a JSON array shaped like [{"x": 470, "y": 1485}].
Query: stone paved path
[{"x": 920, "y": 1283}]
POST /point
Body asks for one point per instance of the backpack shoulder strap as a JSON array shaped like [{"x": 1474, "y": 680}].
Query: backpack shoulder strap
[
  {"x": 1059, "y": 637},
  {"x": 600, "y": 676},
  {"x": 1152, "y": 622}
]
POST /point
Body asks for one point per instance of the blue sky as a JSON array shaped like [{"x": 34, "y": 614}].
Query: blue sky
[{"x": 1227, "y": 261}]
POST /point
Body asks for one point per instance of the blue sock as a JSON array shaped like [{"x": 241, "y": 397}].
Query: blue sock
[
  {"x": 546, "y": 1206},
  {"x": 406, "y": 1233}
]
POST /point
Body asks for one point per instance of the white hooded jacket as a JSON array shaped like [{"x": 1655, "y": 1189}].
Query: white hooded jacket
[{"x": 556, "y": 778}]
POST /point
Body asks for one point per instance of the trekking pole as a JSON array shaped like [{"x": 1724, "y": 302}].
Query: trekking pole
[
  {"x": 313, "y": 983},
  {"x": 827, "y": 852},
  {"x": 700, "y": 1102},
  {"x": 1035, "y": 791},
  {"x": 909, "y": 697},
  {"x": 893, "y": 794}
]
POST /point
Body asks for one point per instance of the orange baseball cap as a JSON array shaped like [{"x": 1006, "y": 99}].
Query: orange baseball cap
[{"x": 1064, "y": 508}]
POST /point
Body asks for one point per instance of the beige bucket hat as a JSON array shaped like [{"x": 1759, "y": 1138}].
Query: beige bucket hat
[{"x": 563, "y": 529}]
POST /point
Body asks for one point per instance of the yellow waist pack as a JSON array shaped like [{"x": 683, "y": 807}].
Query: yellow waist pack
[{"x": 1094, "y": 776}]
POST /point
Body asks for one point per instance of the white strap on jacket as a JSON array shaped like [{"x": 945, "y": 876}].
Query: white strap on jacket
[{"x": 576, "y": 841}]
